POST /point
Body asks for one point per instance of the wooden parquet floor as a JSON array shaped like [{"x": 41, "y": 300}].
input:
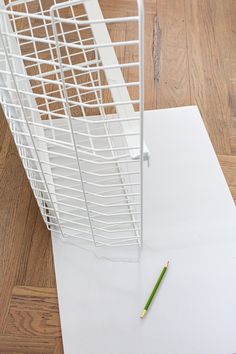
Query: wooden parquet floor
[{"x": 190, "y": 59}]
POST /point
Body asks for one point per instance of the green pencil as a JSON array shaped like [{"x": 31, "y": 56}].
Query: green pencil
[{"x": 154, "y": 290}]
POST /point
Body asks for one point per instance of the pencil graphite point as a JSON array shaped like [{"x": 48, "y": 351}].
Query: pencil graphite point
[
  {"x": 167, "y": 264},
  {"x": 143, "y": 313}
]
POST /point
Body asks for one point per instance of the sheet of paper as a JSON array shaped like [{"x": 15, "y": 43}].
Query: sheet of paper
[{"x": 190, "y": 220}]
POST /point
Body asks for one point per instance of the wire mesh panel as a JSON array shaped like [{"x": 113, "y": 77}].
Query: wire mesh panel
[{"x": 73, "y": 100}]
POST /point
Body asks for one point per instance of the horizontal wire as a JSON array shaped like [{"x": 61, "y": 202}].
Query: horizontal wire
[
  {"x": 70, "y": 85},
  {"x": 109, "y": 179}
]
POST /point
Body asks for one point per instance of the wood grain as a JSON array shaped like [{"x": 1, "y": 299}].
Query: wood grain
[
  {"x": 228, "y": 164},
  {"x": 174, "y": 87},
  {"x": 32, "y": 323},
  {"x": 209, "y": 81},
  {"x": 190, "y": 59}
]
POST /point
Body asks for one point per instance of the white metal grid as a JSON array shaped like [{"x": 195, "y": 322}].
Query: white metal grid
[{"x": 79, "y": 134}]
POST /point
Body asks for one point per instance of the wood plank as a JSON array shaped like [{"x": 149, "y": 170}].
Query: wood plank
[
  {"x": 232, "y": 73},
  {"x": 153, "y": 60},
  {"x": 174, "y": 87},
  {"x": 32, "y": 322},
  {"x": 58, "y": 347},
  {"x": 5, "y": 140},
  {"x": 36, "y": 267},
  {"x": 26, "y": 345},
  {"x": 228, "y": 164},
  {"x": 208, "y": 79},
  {"x": 31, "y": 298},
  {"x": 233, "y": 138},
  {"x": 15, "y": 196}
]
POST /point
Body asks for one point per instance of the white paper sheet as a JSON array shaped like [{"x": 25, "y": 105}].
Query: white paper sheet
[{"x": 190, "y": 220}]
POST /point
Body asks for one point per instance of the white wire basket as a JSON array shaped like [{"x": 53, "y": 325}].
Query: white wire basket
[{"x": 73, "y": 98}]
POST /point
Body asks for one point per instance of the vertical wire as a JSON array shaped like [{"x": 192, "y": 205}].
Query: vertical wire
[
  {"x": 141, "y": 104},
  {"x": 52, "y": 9},
  {"x": 37, "y": 64},
  {"x": 73, "y": 78},
  {"x": 22, "y": 151},
  {"x": 103, "y": 115},
  {"x": 29, "y": 130}
]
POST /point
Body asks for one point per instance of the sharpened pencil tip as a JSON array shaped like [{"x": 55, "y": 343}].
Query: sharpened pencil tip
[
  {"x": 167, "y": 264},
  {"x": 143, "y": 314}
]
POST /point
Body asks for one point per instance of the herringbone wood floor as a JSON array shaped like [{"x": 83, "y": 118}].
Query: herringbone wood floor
[{"x": 196, "y": 64}]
